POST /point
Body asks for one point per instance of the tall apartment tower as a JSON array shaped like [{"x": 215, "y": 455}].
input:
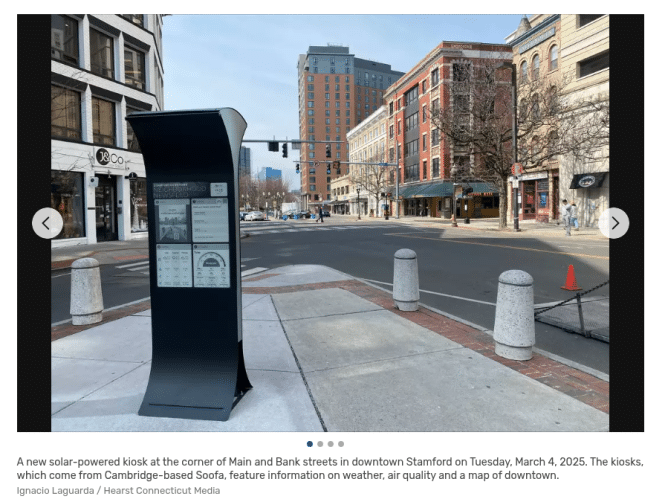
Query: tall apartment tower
[
  {"x": 336, "y": 91},
  {"x": 245, "y": 161}
]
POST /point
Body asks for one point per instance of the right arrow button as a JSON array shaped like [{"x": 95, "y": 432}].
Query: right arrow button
[{"x": 613, "y": 223}]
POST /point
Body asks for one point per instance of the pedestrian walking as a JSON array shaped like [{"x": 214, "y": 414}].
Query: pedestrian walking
[
  {"x": 565, "y": 215},
  {"x": 321, "y": 214},
  {"x": 573, "y": 216}
]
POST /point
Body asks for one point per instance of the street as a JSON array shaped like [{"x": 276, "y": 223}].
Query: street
[{"x": 458, "y": 269}]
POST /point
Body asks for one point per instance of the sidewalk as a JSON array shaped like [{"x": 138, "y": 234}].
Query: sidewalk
[{"x": 327, "y": 352}]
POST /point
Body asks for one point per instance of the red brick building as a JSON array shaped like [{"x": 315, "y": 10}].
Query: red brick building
[{"x": 425, "y": 157}]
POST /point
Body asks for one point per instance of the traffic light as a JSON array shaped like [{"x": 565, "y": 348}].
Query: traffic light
[
  {"x": 273, "y": 146},
  {"x": 328, "y": 170},
  {"x": 328, "y": 154},
  {"x": 336, "y": 166},
  {"x": 297, "y": 168},
  {"x": 285, "y": 150}
]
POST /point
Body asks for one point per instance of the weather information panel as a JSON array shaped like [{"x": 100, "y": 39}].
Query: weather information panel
[{"x": 192, "y": 235}]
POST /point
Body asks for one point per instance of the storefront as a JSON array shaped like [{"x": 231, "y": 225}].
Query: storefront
[
  {"x": 591, "y": 193},
  {"x": 100, "y": 192},
  {"x": 435, "y": 200},
  {"x": 537, "y": 196}
]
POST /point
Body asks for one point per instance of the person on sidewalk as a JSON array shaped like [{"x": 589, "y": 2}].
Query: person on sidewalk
[
  {"x": 565, "y": 215},
  {"x": 321, "y": 213},
  {"x": 573, "y": 216}
]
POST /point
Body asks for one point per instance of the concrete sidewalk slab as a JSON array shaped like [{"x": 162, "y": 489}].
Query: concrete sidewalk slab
[
  {"x": 320, "y": 304},
  {"x": 296, "y": 275},
  {"x": 452, "y": 391},
  {"x": 595, "y": 313},
  {"x": 350, "y": 339}
]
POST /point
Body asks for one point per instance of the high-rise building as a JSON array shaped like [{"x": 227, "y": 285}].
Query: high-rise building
[
  {"x": 268, "y": 173},
  {"x": 103, "y": 68},
  {"x": 336, "y": 92},
  {"x": 245, "y": 164}
]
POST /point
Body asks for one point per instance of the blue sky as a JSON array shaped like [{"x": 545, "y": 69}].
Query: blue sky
[{"x": 249, "y": 62}]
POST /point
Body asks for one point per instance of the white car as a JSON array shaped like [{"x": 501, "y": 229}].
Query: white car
[{"x": 255, "y": 215}]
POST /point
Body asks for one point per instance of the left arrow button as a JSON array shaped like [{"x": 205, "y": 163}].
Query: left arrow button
[{"x": 41, "y": 228}]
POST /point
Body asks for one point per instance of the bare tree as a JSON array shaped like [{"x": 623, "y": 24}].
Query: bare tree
[
  {"x": 550, "y": 124},
  {"x": 372, "y": 178}
]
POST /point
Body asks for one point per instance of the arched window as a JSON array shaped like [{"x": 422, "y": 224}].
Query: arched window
[
  {"x": 536, "y": 66},
  {"x": 554, "y": 57},
  {"x": 523, "y": 71}
]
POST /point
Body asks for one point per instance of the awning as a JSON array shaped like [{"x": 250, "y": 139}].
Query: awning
[
  {"x": 588, "y": 180},
  {"x": 443, "y": 189}
]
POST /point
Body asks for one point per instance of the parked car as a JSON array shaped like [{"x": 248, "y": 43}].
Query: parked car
[
  {"x": 303, "y": 214},
  {"x": 255, "y": 215},
  {"x": 326, "y": 214},
  {"x": 242, "y": 215},
  {"x": 289, "y": 213}
]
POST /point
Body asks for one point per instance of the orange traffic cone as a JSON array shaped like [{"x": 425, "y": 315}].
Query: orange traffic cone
[{"x": 571, "y": 282}]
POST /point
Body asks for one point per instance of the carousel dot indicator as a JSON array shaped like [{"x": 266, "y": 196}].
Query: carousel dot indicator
[
  {"x": 341, "y": 443},
  {"x": 310, "y": 444},
  {"x": 330, "y": 443},
  {"x": 320, "y": 443}
]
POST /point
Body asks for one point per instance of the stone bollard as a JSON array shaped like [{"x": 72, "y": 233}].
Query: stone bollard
[
  {"x": 86, "y": 292},
  {"x": 406, "y": 292},
  {"x": 514, "y": 324}
]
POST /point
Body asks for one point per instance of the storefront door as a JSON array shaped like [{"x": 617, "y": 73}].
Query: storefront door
[
  {"x": 105, "y": 214},
  {"x": 529, "y": 200}
]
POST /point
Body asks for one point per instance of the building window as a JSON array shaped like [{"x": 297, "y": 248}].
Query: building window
[
  {"x": 424, "y": 113},
  {"x": 103, "y": 122},
  {"x": 312, "y": 188},
  {"x": 523, "y": 71},
  {"x": 65, "y": 113},
  {"x": 310, "y": 87},
  {"x": 435, "y": 137},
  {"x": 584, "y": 19},
  {"x": 134, "y": 68},
  {"x": 435, "y": 168},
  {"x": 132, "y": 142},
  {"x": 101, "y": 54},
  {"x": 411, "y": 96},
  {"x": 139, "y": 208},
  {"x": 310, "y": 104},
  {"x": 392, "y": 131},
  {"x": 310, "y": 95},
  {"x": 424, "y": 169},
  {"x": 435, "y": 77},
  {"x": 424, "y": 142},
  {"x": 536, "y": 66},
  {"x": 391, "y": 107},
  {"x": 310, "y": 78},
  {"x": 435, "y": 106},
  {"x": 593, "y": 64},
  {"x": 554, "y": 61},
  {"x": 137, "y": 19},
  {"x": 65, "y": 39},
  {"x": 67, "y": 199}
]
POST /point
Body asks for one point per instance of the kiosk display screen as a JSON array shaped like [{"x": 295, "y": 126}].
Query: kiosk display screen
[{"x": 192, "y": 235}]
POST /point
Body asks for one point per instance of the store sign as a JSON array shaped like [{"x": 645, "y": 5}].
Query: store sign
[
  {"x": 104, "y": 157},
  {"x": 539, "y": 39},
  {"x": 587, "y": 181}
]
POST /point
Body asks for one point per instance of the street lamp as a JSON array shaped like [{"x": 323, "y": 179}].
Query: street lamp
[
  {"x": 513, "y": 95},
  {"x": 358, "y": 190}
]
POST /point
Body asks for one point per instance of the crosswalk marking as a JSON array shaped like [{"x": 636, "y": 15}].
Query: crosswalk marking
[
  {"x": 252, "y": 271},
  {"x": 132, "y": 264},
  {"x": 138, "y": 268}
]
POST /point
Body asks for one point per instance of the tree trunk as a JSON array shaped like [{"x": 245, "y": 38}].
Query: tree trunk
[{"x": 503, "y": 203}]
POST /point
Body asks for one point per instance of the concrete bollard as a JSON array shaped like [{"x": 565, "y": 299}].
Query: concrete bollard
[
  {"x": 86, "y": 292},
  {"x": 406, "y": 292},
  {"x": 514, "y": 324}
]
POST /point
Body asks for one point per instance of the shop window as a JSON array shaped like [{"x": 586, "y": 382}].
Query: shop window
[
  {"x": 101, "y": 54},
  {"x": 593, "y": 64},
  {"x": 65, "y": 113},
  {"x": 67, "y": 199},
  {"x": 103, "y": 122},
  {"x": 139, "y": 199},
  {"x": 65, "y": 39}
]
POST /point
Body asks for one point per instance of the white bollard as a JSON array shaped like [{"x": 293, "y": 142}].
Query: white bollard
[
  {"x": 86, "y": 292},
  {"x": 514, "y": 324},
  {"x": 406, "y": 292}
]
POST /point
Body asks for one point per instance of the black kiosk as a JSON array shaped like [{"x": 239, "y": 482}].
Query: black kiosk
[{"x": 191, "y": 159}]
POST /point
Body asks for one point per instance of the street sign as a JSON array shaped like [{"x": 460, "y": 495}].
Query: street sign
[{"x": 517, "y": 168}]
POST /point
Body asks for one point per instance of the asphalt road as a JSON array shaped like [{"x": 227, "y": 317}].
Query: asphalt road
[{"x": 458, "y": 270}]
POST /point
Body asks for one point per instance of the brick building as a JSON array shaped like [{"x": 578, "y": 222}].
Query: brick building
[
  {"x": 336, "y": 91},
  {"x": 426, "y": 187}
]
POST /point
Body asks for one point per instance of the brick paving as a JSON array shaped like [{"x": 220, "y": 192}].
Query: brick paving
[{"x": 574, "y": 383}]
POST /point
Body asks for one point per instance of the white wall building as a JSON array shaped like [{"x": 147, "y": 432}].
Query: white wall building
[
  {"x": 103, "y": 67},
  {"x": 367, "y": 147}
]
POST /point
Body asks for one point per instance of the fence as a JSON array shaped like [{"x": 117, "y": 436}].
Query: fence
[{"x": 589, "y": 317}]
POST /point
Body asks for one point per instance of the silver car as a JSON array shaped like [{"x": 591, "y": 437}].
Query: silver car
[{"x": 255, "y": 215}]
